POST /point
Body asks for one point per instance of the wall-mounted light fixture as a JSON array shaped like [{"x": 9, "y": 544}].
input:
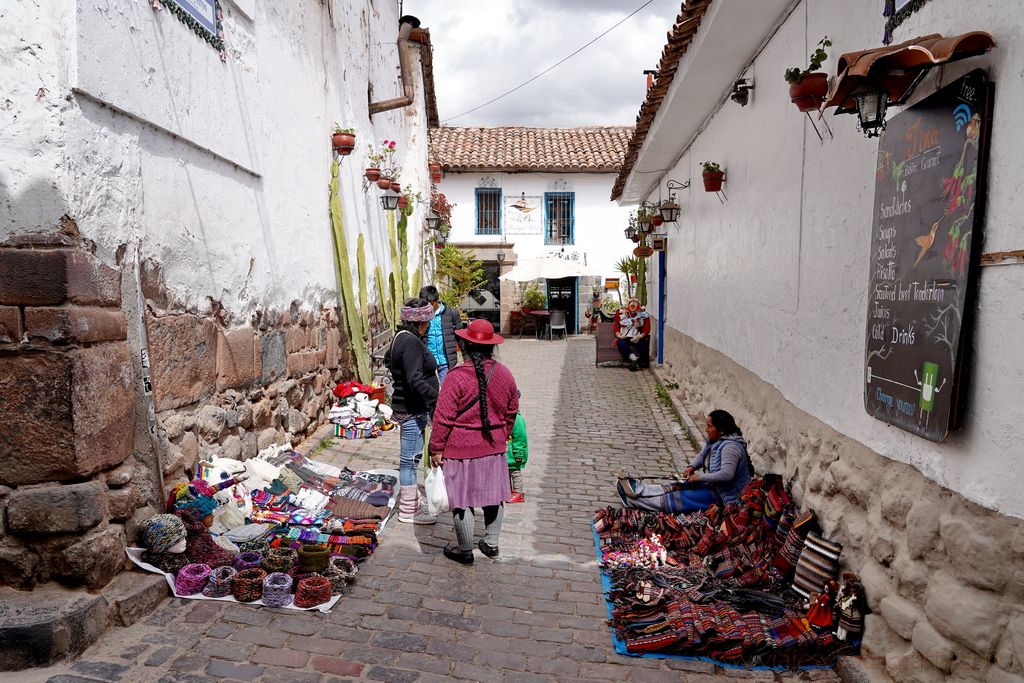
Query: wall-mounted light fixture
[
  {"x": 433, "y": 220},
  {"x": 669, "y": 209},
  {"x": 741, "y": 91},
  {"x": 389, "y": 200},
  {"x": 871, "y": 106},
  {"x": 501, "y": 257}
]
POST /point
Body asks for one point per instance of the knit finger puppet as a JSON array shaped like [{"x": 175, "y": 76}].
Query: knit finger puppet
[{"x": 200, "y": 546}]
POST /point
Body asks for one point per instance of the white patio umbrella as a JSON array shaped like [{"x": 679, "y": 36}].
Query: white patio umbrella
[{"x": 550, "y": 267}]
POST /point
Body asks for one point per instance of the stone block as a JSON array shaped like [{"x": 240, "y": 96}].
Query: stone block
[
  {"x": 122, "y": 502},
  {"x": 878, "y": 637},
  {"x": 10, "y": 324},
  {"x": 295, "y": 339},
  {"x": 245, "y": 416},
  {"x": 40, "y": 627},
  {"x": 896, "y": 502},
  {"x": 189, "y": 445},
  {"x": 933, "y": 646},
  {"x": 233, "y": 447},
  {"x": 923, "y": 527},
  {"x": 965, "y": 615},
  {"x": 907, "y": 665},
  {"x": 183, "y": 357},
  {"x": 134, "y": 595},
  {"x": 18, "y": 566},
  {"x": 262, "y": 415},
  {"x": 56, "y": 509},
  {"x": 273, "y": 357},
  {"x": 72, "y": 414},
  {"x": 212, "y": 422},
  {"x": 250, "y": 445},
  {"x": 1015, "y": 634},
  {"x": 95, "y": 559},
  {"x": 75, "y": 325},
  {"x": 122, "y": 474},
  {"x": 268, "y": 437},
  {"x": 296, "y": 422},
  {"x": 90, "y": 282},
  {"x": 876, "y": 582},
  {"x": 979, "y": 552},
  {"x": 912, "y": 575},
  {"x": 33, "y": 278},
  {"x": 236, "y": 358},
  {"x": 861, "y": 670},
  {"x": 131, "y": 527},
  {"x": 302, "y": 362},
  {"x": 333, "y": 348},
  {"x": 901, "y": 615},
  {"x": 854, "y": 482}
]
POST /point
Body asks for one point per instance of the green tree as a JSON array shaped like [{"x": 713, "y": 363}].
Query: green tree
[{"x": 459, "y": 273}]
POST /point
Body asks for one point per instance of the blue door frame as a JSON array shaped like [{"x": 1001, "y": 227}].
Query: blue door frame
[{"x": 661, "y": 307}]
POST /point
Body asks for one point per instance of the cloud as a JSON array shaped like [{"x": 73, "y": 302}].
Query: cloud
[{"x": 486, "y": 49}]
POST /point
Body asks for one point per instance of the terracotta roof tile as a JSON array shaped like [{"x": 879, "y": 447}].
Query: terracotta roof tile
[
  {"x": 596, "y": 149},
  {"x": 678, "y": 41}
]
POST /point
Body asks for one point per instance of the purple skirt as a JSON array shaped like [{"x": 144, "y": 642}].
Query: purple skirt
[{"x": 476, "y": 482}]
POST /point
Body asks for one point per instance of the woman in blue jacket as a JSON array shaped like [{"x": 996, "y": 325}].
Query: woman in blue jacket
[{"x": 726, "y": 471}]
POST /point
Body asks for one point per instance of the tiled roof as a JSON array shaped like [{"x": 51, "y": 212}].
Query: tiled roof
[
  {"x": 679, "y": 39},
  {"x": 511, "y": 148},
  {"x": 422, "y": 36}
]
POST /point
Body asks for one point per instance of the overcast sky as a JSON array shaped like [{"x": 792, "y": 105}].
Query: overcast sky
[{"x": 484, "y": 48}]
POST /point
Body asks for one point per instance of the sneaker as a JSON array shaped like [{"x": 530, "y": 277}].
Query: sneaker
[
  {"x": 517, "y": 497},
  {"x": 487, "y": 549},
  {"x": 420, "y": 517},
  {"x": 460, "y": 556}
]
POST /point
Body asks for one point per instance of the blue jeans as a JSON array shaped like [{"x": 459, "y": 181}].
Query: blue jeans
[
  {"x": 442, "y": 371},
  {"x": 411, "y": 447}
]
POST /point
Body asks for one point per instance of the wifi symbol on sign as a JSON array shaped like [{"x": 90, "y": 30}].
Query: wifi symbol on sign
[{"x": 961, "y": 115}]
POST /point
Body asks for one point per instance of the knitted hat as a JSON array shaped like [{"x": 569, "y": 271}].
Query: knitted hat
[
  {"x": 159, "y": 533},
  {"x": 196, "y": 494},
  {"x": 422, "y": 314}
]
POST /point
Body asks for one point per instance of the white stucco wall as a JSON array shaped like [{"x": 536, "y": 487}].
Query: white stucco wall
[
  {"x": 218, "y": 170},
  {"x": 777, "y": 278},
  {"x": 598, "y": 226}
]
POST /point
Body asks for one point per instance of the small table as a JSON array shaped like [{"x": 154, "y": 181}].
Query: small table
[{"x": 541, "y": 316}]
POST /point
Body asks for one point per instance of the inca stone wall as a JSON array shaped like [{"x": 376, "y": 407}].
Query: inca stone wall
[{"x": 944, "y": 576}]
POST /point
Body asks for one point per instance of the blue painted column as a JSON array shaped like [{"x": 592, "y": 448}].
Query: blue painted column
[{"x": 661, "y": 306}]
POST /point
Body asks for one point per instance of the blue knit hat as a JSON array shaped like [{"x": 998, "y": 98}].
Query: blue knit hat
[{"x": 161, "y": 532}]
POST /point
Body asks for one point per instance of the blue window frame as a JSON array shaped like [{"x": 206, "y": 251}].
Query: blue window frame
[
  {"x": 560, "y": 217},
  {"x": 488, "y": 210}
]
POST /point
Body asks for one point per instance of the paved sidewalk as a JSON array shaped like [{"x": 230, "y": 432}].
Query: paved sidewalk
[{"x": 535, "y": 614}]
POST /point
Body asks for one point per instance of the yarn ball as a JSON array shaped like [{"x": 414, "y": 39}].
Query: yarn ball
[
  {"x": 313, "y": 558},
  {"x": 191, "y": 579},
  {"x": 161, "y": 532},
  {"x": 277, "y": 590},
  {"x": 219, "y": 585},
  {"x": 280, "y": 559},
  {"x": 248, "y": 560},
  {"x": 248, "y": 585},
  {"x": 313, "y": 590}
]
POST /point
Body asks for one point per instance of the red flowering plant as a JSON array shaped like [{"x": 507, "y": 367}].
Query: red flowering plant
[
  {"x": 958, "y": 191},
  {"x": 440, "y": 205}
]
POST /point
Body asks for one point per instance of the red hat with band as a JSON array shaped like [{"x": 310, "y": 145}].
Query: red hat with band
[{"x": 480, "y": 332}]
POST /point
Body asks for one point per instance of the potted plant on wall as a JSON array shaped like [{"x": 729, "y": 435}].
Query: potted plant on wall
[
  {"x": 343, "y": 140},
  {"x": 435, "y": 173},
  {"x": 440, "y": 205},
  {"x": 374, "y": 161},
  {"x": 808, "y": 87},
  {"x": 713, "y": 176}
]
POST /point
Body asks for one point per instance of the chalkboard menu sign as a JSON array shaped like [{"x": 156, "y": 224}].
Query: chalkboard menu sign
[{"x": 928, "y": 201}]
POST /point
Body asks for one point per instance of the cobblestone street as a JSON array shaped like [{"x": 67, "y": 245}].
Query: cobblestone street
[{"x": 535, "y": 614}]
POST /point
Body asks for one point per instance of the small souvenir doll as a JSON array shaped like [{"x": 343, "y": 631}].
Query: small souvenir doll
[
  {"x": 851, "y": 606},
  {"x": 819, "y": 609}
]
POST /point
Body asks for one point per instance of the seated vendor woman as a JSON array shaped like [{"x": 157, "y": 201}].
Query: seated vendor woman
[{"x": 726, "y": 471}]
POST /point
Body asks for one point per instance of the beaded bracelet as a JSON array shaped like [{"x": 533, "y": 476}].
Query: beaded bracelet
[
  {"x": 219, "y": 585},
  {"x": 277, "y": 590},
  {"x": 313, "y": 590},
  {"x": 191, "y": 579},
  {"x": 248, "y": 585}
]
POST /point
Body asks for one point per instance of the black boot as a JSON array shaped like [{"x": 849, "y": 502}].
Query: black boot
[{"x": 487, "y": 549}]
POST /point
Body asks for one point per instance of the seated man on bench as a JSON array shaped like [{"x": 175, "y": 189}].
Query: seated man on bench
[{"x": 633, "y": 335}]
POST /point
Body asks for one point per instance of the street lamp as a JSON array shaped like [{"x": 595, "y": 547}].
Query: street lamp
[
  {"x": 669, "y": 211},
  {"x": 630, "y": 232},
  {"x": 501, "y": 257},
  {"x": 871, "y": 105},
  {"x": 433, "y": 220},
  {"x": 389, "y": 200}
]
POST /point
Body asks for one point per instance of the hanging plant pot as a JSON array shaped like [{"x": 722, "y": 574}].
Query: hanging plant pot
[
  {"x": 403, "y": 202},
  {"x": 373, "y": 174},
  {"x": 343, "y": 143},
  {"x": 636, "y": 239},
  {"x": 383, "y": 183},
  {"x": 396, "y": 186},
  {"x": 809, "y": 92},
  {"x": 435, "y": 173},
  {"x": 657, "y": 220},
  {"x": 713, "y": 181}
]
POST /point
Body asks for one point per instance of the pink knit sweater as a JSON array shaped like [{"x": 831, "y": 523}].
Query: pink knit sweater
[{"x": 461, "y": 437}]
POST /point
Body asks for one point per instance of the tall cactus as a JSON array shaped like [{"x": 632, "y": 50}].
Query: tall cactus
[
  {"x": 364, "y": 309},
  {"x": 354, "y": 322},
  {"x": 398, "y": 296},
  {"x": 403, "y": 252},
  {"x": 417, "y": 282},
  {"x": 383, "y": 299}
]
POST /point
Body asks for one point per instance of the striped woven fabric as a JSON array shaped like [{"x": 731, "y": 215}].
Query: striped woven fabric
[{"x": 818, "y": 563}]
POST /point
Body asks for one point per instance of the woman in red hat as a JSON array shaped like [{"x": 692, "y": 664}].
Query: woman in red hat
[{"x": 475, "y": 412}]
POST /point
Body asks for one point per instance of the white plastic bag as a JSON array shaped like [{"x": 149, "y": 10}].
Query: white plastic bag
[{"x": 437, "y": 495}]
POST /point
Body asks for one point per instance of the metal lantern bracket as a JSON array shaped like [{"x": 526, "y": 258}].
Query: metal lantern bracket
[{"x": 828, "y": 128}]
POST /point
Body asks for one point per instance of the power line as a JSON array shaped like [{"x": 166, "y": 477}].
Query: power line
[{"x": 558, "y": 63}]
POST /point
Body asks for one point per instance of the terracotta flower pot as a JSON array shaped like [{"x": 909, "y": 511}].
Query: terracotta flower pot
[
  {"x": 397, "y": 187},
  {"x": 384, "y": 183},
  {"x": 403, "y": 202},
  {"x": 373, "y": 174},
  {"x": 713, "y": 181},
  {"x": 636, "y": 239},
  {"x": 343, "y": 143},
  {"x": 657, "y": 220},
  {"x": 809, "y": 92},
  {"x": 435, "y": 173}
]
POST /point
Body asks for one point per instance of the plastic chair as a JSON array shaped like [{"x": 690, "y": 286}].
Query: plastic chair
[
  {"x": 527, "y": 320},
  {"x": 557, "y": 322}
]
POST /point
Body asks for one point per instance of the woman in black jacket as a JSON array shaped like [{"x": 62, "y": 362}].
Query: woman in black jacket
[{"x": 414, "y": 377}]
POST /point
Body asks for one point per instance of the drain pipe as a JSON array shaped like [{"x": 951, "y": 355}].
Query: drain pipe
[{"x": 405, "y": 26}]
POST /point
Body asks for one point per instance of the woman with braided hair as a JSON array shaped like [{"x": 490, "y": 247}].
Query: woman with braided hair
[{"x": 475, "y": 412}]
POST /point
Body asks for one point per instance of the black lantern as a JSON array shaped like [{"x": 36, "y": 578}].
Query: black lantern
[
  {"x": 669, "y": 211},
  {"x": 433, "y": 220},
  {"x": 871, "y": 106},
  {"x": 630, "y": 232},
  {"x": 501, "y": 257},
  {"x": 389, "y": 200}
]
